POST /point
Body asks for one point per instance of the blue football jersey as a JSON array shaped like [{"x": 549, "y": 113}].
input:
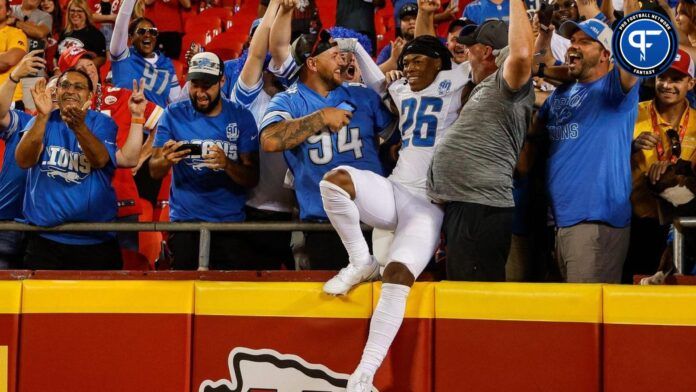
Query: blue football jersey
[
  {"x": 199, "y": 193},
  {"x": 355, "y": 145},
  {"x": 63, "y": 187},
  {"x": 12, "y": 177},
  {"x": 159, "y": 78}
]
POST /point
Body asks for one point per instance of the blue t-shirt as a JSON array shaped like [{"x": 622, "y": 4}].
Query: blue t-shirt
[
  {"x": 63, "y": 187},
  {"x": 159, "y": 78},
  {"x": 590, "y": 126},
  {"x": 12, "y": 177},
  {"x": 479, "y": 11},
  {"x": 231, "y": 72},
  {"x": 355, "y": 145},
  {"x": 199, "y": 193}
]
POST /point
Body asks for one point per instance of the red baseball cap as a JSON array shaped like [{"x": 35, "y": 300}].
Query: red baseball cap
[
  {"x": 71, "y": 56},
  {"x": 683, "y": 63}
]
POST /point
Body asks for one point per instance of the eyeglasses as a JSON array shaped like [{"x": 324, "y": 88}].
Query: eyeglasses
[
  {"x": 152, "y": 30},
  {"x": 76, "y": 11},
  {"x": 565, "y": 5},
  {"x": 78, "y": 87},
  {"x": 674, "y": 142}
]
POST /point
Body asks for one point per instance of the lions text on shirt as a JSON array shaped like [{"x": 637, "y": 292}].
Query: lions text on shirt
[
  {"x": 63, "y": 187},
  {"x": 355, "y": 145},
  {"x": 269, "y": 194},
  {"x": 424, "y": 117},
  {"x": 159, "y": 77},
  {"x": 479, "y": 11},
  {"x": 590, "y": 126},
  {"x": 12, "y": 177},
  {"x": 197, "y": 192}
]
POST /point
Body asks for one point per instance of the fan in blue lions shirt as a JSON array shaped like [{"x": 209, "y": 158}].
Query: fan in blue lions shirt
[
  {"x": 212, "y": 144},
  {"x": 71, "y": 156},
  {"x": 590, "y": 124},
  {"x": 320, "y": 124},
  {"x": 141, "y": 60},
  {"x": 12, "y": 177}
]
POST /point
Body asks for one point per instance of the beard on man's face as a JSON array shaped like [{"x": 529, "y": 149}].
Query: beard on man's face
[{"x": 206, "y": 107}]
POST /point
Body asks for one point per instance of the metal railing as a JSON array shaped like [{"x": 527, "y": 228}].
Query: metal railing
[
  {"x": 204, "y": 228},
  {"x": 678, "y": 244}
]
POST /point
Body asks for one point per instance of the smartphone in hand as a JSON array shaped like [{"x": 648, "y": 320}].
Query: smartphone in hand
[{"x": 195, "y": 148}]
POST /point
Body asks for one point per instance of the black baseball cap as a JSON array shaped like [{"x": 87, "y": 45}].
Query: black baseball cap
[
  {"x": 493, "y": 33},
  {"x": 408, "y": 9},
  {"x": 310, "y": 45}
]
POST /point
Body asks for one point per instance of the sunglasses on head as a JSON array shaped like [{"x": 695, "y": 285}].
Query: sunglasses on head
[
  {"x": 674, "y": 142},
  {"x": 152, "y": 30}
]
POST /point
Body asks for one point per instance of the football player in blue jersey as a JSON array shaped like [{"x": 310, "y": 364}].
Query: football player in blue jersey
[
  {"x": 141, "y": 60},
  {"x": 212, "y": 146},
  {"x": 70, "y": 154},
  {"x": 12, "y": 177},
  {"x": 320, "y": 123}
]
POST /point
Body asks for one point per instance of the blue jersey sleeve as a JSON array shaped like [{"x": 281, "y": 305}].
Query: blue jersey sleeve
[
  {"x": 280, "y": 108},
  {"x": 163, "y": 133},
  {"x": 248, "y": 133},
  {"x": 18, "y": 120},
  {"x": 384, "y": 55},
  {"x": 543, "y": 112},
  {"x": 246, "y": 95}
]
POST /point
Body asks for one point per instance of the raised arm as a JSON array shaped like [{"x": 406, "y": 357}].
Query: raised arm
[
  {"x": 119, "y": 39},
  {"x": 29, "y": 149},
  {"x": 628, "y": 80},
  {"x": 518, "y": 65},
  {"x": 129, "y": 154},
  {"x": 30, "y": 64},
  {"x": 253, "y": 67},
  {"x": 425, "y": 19},
  {"x": 281, "y": 31}
]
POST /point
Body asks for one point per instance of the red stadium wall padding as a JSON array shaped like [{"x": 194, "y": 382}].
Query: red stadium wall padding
[
  {"x": 409, "y": 363},
  {"x": 517, "y": 337},
  {"x": 649, "y": 338},
  {"x": 105, "y": 336},
  {"x": 10, "y": 305},
  {"x": 272, "y": 335}
]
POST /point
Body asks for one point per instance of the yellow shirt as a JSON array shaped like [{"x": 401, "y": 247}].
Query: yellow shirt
[
  {"x": 11, "y": 37},
  {"x": 643, "y": 201}
]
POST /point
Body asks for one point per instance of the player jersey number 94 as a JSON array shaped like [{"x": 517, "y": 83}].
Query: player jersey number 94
[
  {"x": 418, "y": 114},
  {"x": 348, "y": 139}
]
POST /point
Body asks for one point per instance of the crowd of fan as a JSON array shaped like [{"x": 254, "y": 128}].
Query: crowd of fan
[{"x": 595, "y": 186}]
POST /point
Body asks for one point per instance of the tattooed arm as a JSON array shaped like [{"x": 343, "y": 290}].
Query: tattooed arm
[{"x": 287, "y": 134}]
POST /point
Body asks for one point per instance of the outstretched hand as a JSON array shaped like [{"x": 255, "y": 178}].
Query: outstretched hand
[
  {"x": 42, "y": 97},
  {"x": 137, "y": 102}
]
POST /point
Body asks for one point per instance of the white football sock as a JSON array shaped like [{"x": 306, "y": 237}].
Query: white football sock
[
  {"x": 385, "y": 323},
  {"x": 345, "y": 218}
]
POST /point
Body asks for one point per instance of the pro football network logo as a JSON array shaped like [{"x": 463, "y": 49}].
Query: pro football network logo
[
  {"x": 269, "y": 371},
  {"x": 645, "y": 43}
]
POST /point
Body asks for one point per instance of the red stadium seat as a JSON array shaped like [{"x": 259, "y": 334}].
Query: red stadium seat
[
  {"x": 219, "y": 12},
  {"x": 202, "y": 22},
  {"x": 180, "y": 74},
  {"x": 149, "y": 242},
  {"x": 227, "y": 47}
]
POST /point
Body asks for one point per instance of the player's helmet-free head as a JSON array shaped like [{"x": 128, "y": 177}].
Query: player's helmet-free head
[{"x": 427, "y": 45}]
